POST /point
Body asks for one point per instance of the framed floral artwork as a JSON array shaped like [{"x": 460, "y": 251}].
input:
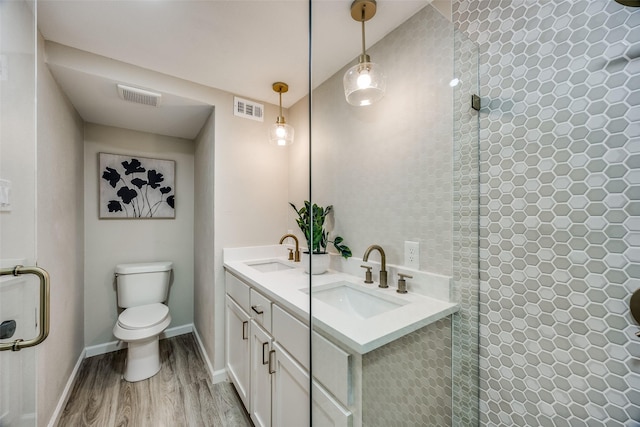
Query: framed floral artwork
[{"x": 134, "y": 187}]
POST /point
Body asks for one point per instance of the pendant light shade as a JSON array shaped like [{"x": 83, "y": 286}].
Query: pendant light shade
[
  {"x": 364, "y": 83},
  {"x": 280, "y": 133}
]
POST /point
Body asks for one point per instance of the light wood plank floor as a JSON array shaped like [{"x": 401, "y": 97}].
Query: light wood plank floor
[{"x": 181, "y": 394}]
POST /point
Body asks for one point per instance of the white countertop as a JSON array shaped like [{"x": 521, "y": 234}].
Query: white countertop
[{"x": 290, "y": 289}]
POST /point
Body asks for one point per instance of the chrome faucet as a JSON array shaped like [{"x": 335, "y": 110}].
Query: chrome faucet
[
  {"x": 297, "y": 256},
  {"x": 383, "y": 262}
]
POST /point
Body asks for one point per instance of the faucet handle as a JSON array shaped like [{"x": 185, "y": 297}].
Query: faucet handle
[
  {"x": 367, "y": 275},
  {"x": 402, "y": 283},
  {"x": 290, "y": 254}
]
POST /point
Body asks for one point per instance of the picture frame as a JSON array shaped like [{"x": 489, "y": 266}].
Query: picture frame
[{"x": 136, "y": 187}]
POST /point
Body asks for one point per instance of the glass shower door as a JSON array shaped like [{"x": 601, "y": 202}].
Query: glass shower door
[
  {"x": 401, "y": 176},
  {"x": 19, "y": 309}
]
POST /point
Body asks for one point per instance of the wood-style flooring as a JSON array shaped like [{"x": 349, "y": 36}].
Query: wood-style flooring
[{"x": 181, "y": 394}]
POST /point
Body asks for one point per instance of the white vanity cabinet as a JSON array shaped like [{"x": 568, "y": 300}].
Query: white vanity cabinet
[{"x": 272, "y": 375}]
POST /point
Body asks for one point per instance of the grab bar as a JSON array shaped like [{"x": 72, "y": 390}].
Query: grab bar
[{"x": 19, "y": 270}]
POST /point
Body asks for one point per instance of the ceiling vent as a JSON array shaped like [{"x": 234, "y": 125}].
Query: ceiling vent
[
  {"x": 139, "y": 96},
  {"x": 248, "y": 109}
]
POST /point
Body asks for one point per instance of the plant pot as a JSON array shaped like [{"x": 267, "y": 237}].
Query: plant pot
[{"x": 319, "y": 264}]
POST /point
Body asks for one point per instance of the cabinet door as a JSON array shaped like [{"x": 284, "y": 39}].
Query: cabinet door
[
  {"x": 291, "y": 397},
  {"x": 327, "y": 411},
  {"x": 237, "y": 350},
  {"x": 260, "y": 376},
  {"x": 290, "y": 391}
]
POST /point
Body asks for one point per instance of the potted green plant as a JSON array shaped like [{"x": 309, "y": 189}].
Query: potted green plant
[{"x": 311, "y": 220}]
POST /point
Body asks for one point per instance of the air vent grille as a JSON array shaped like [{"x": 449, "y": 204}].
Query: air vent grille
[
  {"x": 139, "y": 96},
  {"x": 248, "y": 109}
]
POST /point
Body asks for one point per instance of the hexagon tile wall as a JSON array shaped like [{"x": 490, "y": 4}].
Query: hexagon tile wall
[{"x": 559, "y": 210}]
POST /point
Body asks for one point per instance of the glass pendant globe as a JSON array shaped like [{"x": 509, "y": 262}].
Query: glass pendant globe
[
  {"x": 281, "y": 134},
  {"x": 364, "y": 84}
]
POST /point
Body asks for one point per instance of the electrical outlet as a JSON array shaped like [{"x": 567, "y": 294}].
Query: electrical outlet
[{"x": 412, "y": 255}]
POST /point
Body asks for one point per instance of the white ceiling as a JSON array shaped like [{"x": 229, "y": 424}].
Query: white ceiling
[{"x": 239, "y": 46}]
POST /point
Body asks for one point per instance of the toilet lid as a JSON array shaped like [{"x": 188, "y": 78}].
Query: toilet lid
[{"x": 143, "y": 316}]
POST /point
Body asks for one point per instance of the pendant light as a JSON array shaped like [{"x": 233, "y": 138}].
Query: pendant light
[
  {"x": 365, "y": 82},
  {"x": 281, "y": 133}
]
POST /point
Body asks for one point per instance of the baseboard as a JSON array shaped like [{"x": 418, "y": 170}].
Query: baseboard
[
  {"x": 178, "y": 330},
  {"x": 108, "y": 347},
  {"x": 220, "y": 376},
  {"x": 216, "y": 376},
  {"x": 25, "y": 419},
  {"x": 64, "y": 397}
]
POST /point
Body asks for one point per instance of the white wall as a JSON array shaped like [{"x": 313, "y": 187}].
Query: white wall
[
  {"x": 112, "y": 242},
  {"x": 251, "y": 197},
  {"x": 60, "y": 235}
]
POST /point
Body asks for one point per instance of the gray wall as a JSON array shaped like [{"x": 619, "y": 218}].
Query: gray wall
[
  {"x": 387, "y": 168},
  {"x": 560, "y": 131},
  {"x": 408, "y": 381},
  {"x": 116, "y": 241},
  {"x": 60, "y": 225}
]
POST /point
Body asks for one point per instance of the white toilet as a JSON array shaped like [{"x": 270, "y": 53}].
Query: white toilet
[{"x": 142, "y": 289}]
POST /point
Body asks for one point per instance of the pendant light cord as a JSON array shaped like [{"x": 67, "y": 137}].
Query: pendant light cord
[{"x": 363, "y": 44}]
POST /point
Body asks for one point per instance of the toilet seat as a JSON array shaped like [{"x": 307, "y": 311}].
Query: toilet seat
[
  {"x": 144, "y": 316},
  {"x": 128, "y": 328}
]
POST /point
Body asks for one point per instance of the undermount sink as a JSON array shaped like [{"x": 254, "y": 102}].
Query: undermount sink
[
  {"x": 354, "y": 300},
  {"x": 269, "y": 266}
]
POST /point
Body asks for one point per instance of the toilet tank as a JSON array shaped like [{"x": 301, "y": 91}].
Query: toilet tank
[{"x": 142, "y": 283}]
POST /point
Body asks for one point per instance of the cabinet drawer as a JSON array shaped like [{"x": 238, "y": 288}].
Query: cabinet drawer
[
  {"x": 292, "y": 334},
  {"x": 261, "y": 310},
  {"x": 239, "y": 291}
]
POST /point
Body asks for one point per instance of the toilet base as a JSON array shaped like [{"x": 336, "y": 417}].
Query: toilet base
[{"x": 143, "y": 359}]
